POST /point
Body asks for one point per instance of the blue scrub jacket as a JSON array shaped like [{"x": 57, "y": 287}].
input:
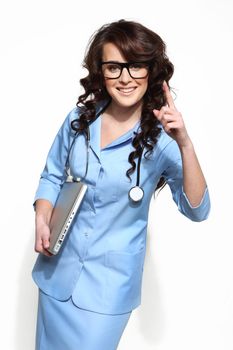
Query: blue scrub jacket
[{"x": 101, "y": 261}]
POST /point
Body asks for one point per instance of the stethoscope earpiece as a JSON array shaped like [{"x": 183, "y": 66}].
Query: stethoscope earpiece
[{"x": 136, "y": 194}]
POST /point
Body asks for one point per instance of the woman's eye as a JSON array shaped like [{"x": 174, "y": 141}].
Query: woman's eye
[
  {"x": 136, "y": 66},
  {"x": 113, "y": 68}
]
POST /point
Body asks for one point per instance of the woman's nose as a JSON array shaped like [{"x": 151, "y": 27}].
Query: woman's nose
[{"x": 125, "y": 77}]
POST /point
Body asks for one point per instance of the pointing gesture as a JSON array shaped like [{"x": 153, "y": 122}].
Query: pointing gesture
[{"x": 171, "y": 119}]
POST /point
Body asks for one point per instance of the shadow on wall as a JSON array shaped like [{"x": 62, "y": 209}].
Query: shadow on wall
[
  {"x": 26, "y": 303},
  {"x": 151, "y": 314}
]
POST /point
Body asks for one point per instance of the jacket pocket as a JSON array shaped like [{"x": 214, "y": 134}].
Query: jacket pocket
[
  {"x": 123, "y": 260},
  {"x": 123, "y": 278}
]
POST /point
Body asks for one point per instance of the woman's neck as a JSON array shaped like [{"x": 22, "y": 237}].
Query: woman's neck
[{"x": 124, "y": 114}]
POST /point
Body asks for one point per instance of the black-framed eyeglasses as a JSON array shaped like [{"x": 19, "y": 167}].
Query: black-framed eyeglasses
[{"x": 137, "y": 70}]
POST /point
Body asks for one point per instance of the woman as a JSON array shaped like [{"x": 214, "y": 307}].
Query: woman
[{"x": 87, "y": 292}]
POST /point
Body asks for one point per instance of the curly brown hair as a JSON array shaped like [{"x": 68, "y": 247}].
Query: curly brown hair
[{"x": 136, "y": 43}]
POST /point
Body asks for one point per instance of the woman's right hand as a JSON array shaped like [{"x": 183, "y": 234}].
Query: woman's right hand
[
  {"x": 43, "y": 214},
  {"x": 42, "y": 239}
]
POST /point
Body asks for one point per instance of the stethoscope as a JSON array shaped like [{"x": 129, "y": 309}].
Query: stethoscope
[{"x": 136, "y": 192}]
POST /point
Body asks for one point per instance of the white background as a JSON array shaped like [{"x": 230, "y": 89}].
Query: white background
[{"x": 187, "y": 300}]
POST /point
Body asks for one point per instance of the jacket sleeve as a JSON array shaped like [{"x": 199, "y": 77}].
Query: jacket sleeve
[
  {"x": 173, "y": 175},
  {"x": 53, "y": 175}
]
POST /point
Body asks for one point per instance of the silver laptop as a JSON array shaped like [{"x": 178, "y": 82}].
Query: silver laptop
[{"x": 64, "y": 212}]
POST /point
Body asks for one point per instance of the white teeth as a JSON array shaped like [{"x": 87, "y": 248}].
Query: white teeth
[{"x": 126, "y": 89}]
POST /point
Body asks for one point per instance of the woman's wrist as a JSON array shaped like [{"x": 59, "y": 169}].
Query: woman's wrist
[
  {"x": 41, "y": 220},
  {"x": 43, "y": 212}
]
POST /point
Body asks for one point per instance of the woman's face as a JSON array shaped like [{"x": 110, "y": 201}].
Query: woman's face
[{"x": 125, "y": 90}]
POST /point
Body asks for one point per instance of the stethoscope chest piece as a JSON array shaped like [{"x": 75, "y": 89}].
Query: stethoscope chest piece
[{"x": 136, "y": 194}]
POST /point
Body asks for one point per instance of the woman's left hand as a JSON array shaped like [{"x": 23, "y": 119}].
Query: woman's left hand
[{"x": 171, "y": 120}]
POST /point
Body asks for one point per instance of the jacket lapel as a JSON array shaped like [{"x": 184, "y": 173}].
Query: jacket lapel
[{"x": 95, "y": 136}]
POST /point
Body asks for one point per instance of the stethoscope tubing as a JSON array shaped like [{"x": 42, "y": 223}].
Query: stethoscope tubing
[{"x": 135, "y": 193}]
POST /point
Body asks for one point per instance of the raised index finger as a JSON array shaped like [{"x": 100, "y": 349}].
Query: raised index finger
[{"x": 169, "y": 98}]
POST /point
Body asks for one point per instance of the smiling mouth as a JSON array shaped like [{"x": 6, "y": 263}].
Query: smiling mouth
[{"x": 126, "y": 91}]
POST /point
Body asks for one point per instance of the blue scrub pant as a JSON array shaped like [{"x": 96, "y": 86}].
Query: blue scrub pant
[{"x": 63, "y": 326}]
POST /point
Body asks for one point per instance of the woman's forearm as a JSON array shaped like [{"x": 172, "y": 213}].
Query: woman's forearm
[
  {"x": 44, "y": 210},
  {"x": 194, "y": 183},
  {"x": 43, "y": 214}
]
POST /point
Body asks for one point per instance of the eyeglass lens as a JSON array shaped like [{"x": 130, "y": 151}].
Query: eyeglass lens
[{"x": 114, "y": 70}]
